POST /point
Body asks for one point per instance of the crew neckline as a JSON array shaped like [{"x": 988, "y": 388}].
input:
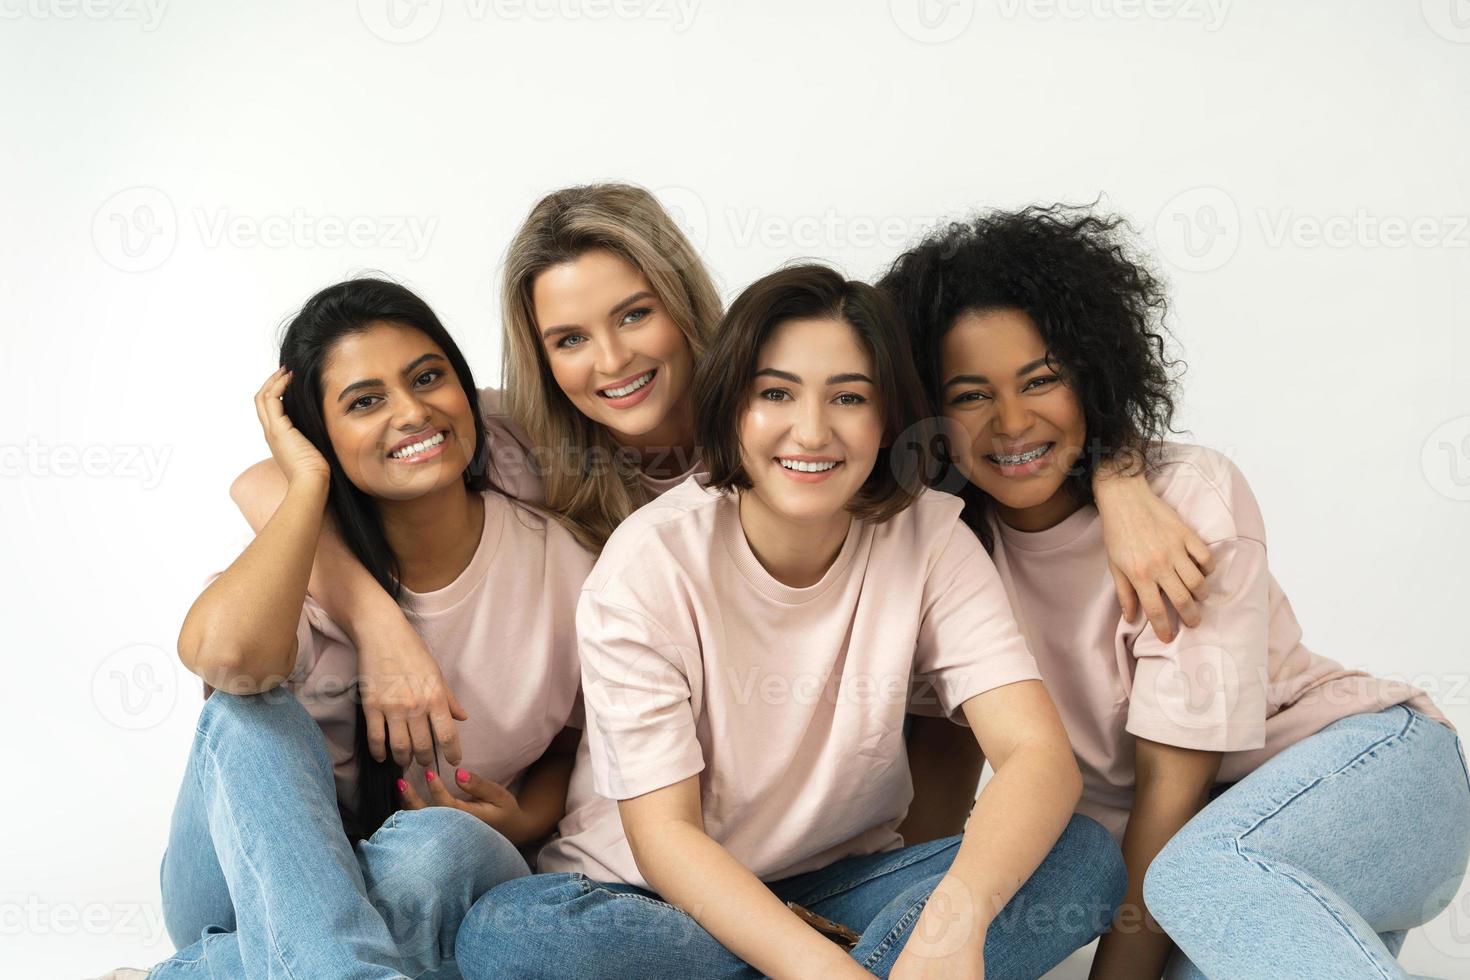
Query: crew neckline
[
  {"x": 1071, "y": 528},
  {"x": 474, "y": 573},
  {"x": 733, "y": 534}
]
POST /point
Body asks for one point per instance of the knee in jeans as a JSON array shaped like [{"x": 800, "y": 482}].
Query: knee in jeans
[
  {"x": 481, "y": 853},
  {"x": 1172, "y": 883},
  {"x": 224, "y": 712}
]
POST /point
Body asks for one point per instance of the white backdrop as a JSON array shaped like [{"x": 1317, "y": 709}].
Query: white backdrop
[{"x": 179, "y": 176}]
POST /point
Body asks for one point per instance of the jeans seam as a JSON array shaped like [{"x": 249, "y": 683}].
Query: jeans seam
[
  {"x": 899, "y": 929},
  {"x": 848, "y": 884},
  {"x": 208, "y": 746},
  {"x": 1365, "y": 753},
  {"x": 1255, "y": 858}
]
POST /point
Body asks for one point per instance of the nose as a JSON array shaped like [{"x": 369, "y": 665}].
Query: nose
[
  {"x": 1012, "y": 418},
  {"x": 812, "y": 429},
  {"x": 410, "y": 412},
  {"x": 613, "y": 357}
]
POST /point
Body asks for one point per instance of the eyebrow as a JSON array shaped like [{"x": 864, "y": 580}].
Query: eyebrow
[
  {"x": 980, "y": 379},
  {"x": 550, "y": 332},
  {"x": 377, "y": 382},
  {"x": 836, "y": 379}
]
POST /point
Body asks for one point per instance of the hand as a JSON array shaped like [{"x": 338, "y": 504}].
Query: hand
[
  {"x": 1155, "y": 558},
  {"x": 293, "y": 452},
  {"x": 489, "y": 801},
  {"x": 405, "y": 702},
  {"x": 948, "y": 940}
]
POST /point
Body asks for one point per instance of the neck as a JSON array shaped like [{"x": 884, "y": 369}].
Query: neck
[
  {"x": 796, "y": 554},
  {"x": 434, "y": 536},
  {"x": 1047, "y": 514},
  {"x": 668, "y": 449}
]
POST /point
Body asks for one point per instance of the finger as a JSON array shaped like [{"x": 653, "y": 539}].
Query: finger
[
  {"x": 1194, "y": 580},
  {"x": 377, "y": 733},
  {"x": 455, "y": 709},
  {"x": 411, "y": 799},
  {"x": 1201, "y": 553},
  {"x": 399, "y": 742},
  {"x": 1127, "y": 598},
  {"x": 484, "y": 790},
  {"x": 446, "y": 732},
  {"x": 423, "y": 744},
  {"x": 438, "y": 792},
  {"x": 1157, "y": 613},
  {"x": 1184, "y": 603}
]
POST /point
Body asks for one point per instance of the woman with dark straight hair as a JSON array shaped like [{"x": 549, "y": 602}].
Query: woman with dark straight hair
[{"x": 292, "y": 851}]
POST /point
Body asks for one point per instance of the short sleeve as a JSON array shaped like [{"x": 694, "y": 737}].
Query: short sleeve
[
  {"x": 969, "y": 642},
  {"x": 640, "y": 719},
  {"x": 1207, "y": 689}
]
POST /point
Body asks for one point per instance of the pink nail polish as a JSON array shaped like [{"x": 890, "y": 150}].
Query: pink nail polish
[
  {"x": 429, "y": 775},
  {"x": 461, "y": 775},
  {"x": 402, "y": 786}
]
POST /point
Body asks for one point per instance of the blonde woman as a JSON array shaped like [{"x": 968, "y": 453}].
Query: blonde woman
[{"x": 607, "y": 311}]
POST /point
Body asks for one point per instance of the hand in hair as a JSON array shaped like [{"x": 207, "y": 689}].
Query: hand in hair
[{"x": 293, "y": 452}]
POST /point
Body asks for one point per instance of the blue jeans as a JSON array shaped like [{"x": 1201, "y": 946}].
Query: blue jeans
[
  {"x": 1316, "y": 864},
  {"x": 259, "y": 879},
  {"x": 566, "y": 925}
]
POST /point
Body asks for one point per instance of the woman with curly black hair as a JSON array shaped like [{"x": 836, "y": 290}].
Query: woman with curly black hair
[{"x": 1279, "y": 815}]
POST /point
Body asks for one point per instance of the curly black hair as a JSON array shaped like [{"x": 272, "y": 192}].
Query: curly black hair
[{"x": 1099, "y": 307}]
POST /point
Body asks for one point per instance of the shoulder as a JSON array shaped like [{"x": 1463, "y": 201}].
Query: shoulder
[
  {"x": 529, "y": 526},
  {"x": 1208, "y": 490},
  {"x": 663, "y": 533},
  {"x": 926, "y": 525}
]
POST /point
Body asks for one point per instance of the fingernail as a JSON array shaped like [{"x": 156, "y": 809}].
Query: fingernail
[
  {"x": 402, "y": 786},
  {"x": 461, "y": 775},
  {"x": 429, "y": 775}
]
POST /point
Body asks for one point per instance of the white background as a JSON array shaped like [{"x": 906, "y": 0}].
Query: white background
[{"x": 179, "y": 177}]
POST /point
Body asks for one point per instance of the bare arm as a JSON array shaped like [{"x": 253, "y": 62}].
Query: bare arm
[
  {"x": 945, "y": 764},
  {"x": 403, "y": 691},
  {"x": 1172, "y": 786},
  {"x": 1155, "y": 558},
  {"x": 240, "y": 634},
  {"x": 543, "y": 797},
  {"x": 1016, "y": 820},
  {"x": 665, "y": 829}
]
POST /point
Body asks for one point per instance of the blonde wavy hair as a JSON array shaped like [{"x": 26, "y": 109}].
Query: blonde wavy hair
[{"x": 588, "y": 487}]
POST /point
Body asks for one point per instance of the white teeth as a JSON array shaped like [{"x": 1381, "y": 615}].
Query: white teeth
[
  {"x": 1021, "y": 458},
  {"x": 627, "y": 389},
  {"x": 804, "y": 467},
  {"x": 418, "y": 447}
]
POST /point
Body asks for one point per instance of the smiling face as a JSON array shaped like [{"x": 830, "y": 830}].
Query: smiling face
[
  {"x": 396, "y": 413},
  {"x": 613, "y": 349},
  {"x": 813, "y": 426},
  {"x": 1017, "y": 428}
]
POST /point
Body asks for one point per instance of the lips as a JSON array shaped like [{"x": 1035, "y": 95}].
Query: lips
[
  {"x": 627, "y": 386},
  {"x": 418, "y": 443},
  {"x": 1021, "y": 456}
]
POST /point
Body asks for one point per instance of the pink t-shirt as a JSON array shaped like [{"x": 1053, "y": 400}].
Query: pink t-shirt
[
  {"x": 788, "y": 702},
  {"x": 515, "y": 463},
  {"x": 503, "y": 635},
  {"x": 1240, "y": 683}
]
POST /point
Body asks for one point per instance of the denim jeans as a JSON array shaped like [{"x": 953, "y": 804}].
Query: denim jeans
[
  {"x": 259, "y": 879},
  {"x": 566, "y": 925},
  {"x": 1317, "y": 863}
]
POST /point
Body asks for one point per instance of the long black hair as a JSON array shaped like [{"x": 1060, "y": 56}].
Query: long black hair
[
  {"x": 339, "y": 311},
  {"x": 1099, "y": 308}
]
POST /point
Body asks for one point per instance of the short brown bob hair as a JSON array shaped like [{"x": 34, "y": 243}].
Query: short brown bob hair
[{"x": 722, "y": 384}]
